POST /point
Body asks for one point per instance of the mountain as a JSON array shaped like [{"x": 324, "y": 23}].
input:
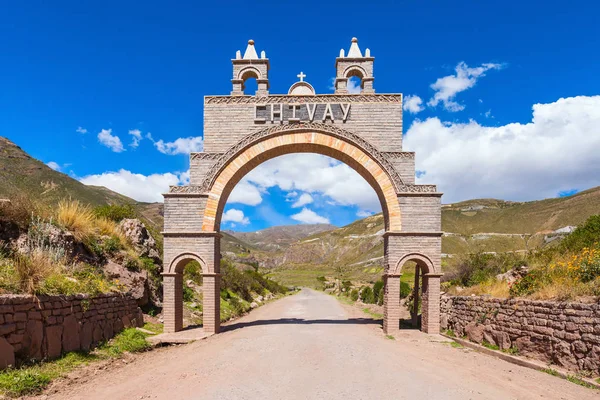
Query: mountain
[
  {"x": 280, "y": 237},
  {"x": 21, "y": 173}
]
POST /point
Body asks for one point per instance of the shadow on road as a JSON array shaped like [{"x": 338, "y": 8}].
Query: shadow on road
[{"x": 300, "y": 321}]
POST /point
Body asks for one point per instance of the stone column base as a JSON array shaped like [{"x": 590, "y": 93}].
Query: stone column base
[
  {"x": 391, "y": 304},
  {"x": 211, "y": 303},
  {"x": 172, "y": 302},
  {"x": 430, "y": 320}
]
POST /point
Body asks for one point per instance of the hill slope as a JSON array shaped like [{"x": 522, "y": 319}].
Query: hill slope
[
  {"x": 22, "y": 174},
  {"x": 280, "y": 237}
]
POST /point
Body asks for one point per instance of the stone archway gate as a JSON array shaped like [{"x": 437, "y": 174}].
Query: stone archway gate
[{"x": 362, "y": 130}]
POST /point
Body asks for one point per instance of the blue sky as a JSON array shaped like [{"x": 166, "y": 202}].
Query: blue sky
[{"x": 498, "y": 129}]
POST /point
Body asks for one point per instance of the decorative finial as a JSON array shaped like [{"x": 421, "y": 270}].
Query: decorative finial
[
  {"x": 354, "y": 51},
  {"x": 263, "y": 54},
  {"x": 354, "y": 40},
  {"x": 250, "y": 53},
  {"x": 342, "y": 53},
  {"x": 238, "y": 55},
  {"x": 301, "y": 75},
  {"x": 251, "y": 42}
]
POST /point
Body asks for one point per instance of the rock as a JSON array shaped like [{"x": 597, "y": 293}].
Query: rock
[
  {"x": 32, "y": 341},
  {"x": 135, "y": 281},
  {"x": 7, "y": 354},
  {"x": 71, "y": 334},
  {"x": 513, "y": 275},
  {"x": 47, "y": 235},
  {"x": 135, "y": 231},
  {"x": 253, "y": 304},
  {"x": 54, "y": 341},
  {"x": 502, "y": 340},
  {"x": 260, "y": 299},
  {"x": 474, "y": 332},
  {"x": 126, "y": 321},
  {"x": 87, "y": 336}
]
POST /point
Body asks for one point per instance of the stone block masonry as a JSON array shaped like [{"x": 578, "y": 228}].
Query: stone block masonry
[
  {"x": 566, "y": 334},
  {"x": 45, "y": 327}
]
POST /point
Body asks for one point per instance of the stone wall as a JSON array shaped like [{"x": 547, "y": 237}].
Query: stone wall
[
  {"x": 564, "y": 334},
  {"x": 44, "y": 327}
]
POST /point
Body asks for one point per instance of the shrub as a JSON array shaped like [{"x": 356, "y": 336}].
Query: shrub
[
  {"x": 129, "y": 340},
  {"x": 528, "y": 283},
  {"x": 346, "y": 286},
  {"x": 381, "y": 296},
  {"x": 474, "y": 269},
  {"x": 377, "y": 286},
  {"x": 405, "y": 290},
  {"x": 77, "y": 218},
  {"x": 32, "y": 269},
  {"x": 115, "y": 212},
  {"x": 18, "y": 211},
  {"x": 188, "y": 293},
  {"x": 237, "y": 306},
  {"x": 583, "y": 236},
  {"x": 367, "y": 296},
  {"x": 354, "y": 294}
]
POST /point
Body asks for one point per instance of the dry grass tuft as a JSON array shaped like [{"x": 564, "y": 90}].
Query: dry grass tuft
[
  {"x": 77, "y": 218},
  {"x": 33, "y": 269},
  {"x": 491, "y": 287},
  {"x": 109, "y": 227}
]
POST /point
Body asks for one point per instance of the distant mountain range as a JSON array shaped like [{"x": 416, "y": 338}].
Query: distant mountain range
[{"x": 307, "y": 251}]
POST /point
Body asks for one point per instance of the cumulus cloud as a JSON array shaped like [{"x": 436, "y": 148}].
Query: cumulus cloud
[
  {"x": 81, "y": 130},
  {"x": 448, "y": 87},
  {"x": 235, "y": 216},
  {"x": 180, "y": 146},
  {"x": 112, "y": 142},
  {"x": 303, "y": 200},
  {"x": 136, "y": 137},
  {"x": 147, "y": 188},
  {"x": 314, "y": 173},
  {"x": 558, "y": 150},
  {"x": 413, "y": 104},
  {"x": 245, "y": 193},
  {"x": 353, "y": 85},
  {"x": 363, "y": 214},
  {"x": 55, "y": 166},
  {"x": 307, "y": 216}
]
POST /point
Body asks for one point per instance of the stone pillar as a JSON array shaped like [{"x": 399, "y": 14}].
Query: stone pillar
[
  {"x": 415, "y": 316},
  {"x": 368, "y": 86},
  {"x": 211, "y": 303},
  {"x": 341, "y": 86},
  {"x": 391, "y": 303},
  {"x": 238, "y": 89},
  {"x": 263, "y": 87},
  {"x": 172, "y": 302},
  {"x": 430, "y": 319}
]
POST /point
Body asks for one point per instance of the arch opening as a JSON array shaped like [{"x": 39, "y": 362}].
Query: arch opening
[{"x": 301, "y": 142}]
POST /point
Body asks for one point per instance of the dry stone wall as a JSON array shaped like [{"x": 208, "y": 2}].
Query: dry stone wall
[
  {"x": 559, "y": 333},
  {"x": 44, "y": 327}
]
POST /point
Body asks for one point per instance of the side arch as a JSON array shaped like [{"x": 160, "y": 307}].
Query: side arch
[
  {"x": 356, "y": 71},
  {"x": 178, "y": 263},
  {"x": 422, "y": 261},
  {"x": 249, "y": 72},
  {"x": 233, "y": 168}
]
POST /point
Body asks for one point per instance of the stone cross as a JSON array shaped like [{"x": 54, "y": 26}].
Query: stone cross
[{"x": 301, "y": 75}]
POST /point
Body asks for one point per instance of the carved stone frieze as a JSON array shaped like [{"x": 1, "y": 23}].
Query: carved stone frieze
[
  {"x": 417, "y": 189},
  {"x": 205, "y": 156},
  {"x": 190, "y": 189},
  {"x": 323, "y": 98},
  {"x": 403, "y": 155}
]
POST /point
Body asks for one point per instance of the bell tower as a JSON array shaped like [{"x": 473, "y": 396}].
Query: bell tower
[
  {"x": 354, "y": 65},
  {"x": 250, "y": 66}
]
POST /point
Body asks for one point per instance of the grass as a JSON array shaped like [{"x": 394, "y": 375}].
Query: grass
[
  {"x": 373, "y": 314},
  {"x": 77, "y": 218},
  {"x": 579, "y": 381},
  {"x": 551, "y": 371},
  {"x": 390, "y": 337},
  {"x": 489, "y": 345},
  {"x": 456, "y": 345},
  {"x": 154, "y": 327},
  {"x": 33, "y": 379},
  {"x": 513, "y": 351},
  {"x": 450, "y": 333}
]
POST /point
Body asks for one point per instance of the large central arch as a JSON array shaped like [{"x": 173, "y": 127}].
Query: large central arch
[{"x": 308, "y": 138}]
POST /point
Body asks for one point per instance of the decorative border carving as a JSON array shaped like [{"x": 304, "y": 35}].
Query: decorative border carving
[
  {"x": 417, "y": 189},
  {"x": 404, "y": 155},
  {"x": 212, "y": 173},
  {"x": 205, "y": 156},
  {"x": 190, "y": 189},
  {"x": 291, "y": 99}
]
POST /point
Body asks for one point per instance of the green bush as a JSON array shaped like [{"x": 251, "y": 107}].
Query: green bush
[
  {"x": 381, "y": 296},
  {"x": 377, "y": 286},
  {"x": 405, "y": 290},
  {"x": 367, "y": 296},
  {"x": 585, "y": 235},
  {"x": 115, "y": 212},
  {"x": 528, "y": 283},
  {"x": 354, "y": 294},
  {"x": 476, "y": 268},
  {"x": 188, "y": 293},
  {"x": 193, "y": 271}
]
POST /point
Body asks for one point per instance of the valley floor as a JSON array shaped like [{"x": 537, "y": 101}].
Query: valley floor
[{"x": 310, "y": 346}]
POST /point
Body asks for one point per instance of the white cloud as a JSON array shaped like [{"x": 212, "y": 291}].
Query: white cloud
[
  {"x": 235, "y": 216},
  {"x": 180, "y": 146},
  {"x": 307, "y": 216},
  {"x": 448, "y": 87},
  {"x": 110, "y": 141},
  {"x": 413, "y": 104},
  {"x": 136, "y": 137},
  {"x": 303, "y": 200},
  {"x": 353, "y": 85},
  {"x": 363, "y": 214},
  {"x": 558, "y": 150},
  {"x": 55, "y": 166},
  {"x": 147, "y": 188},
  {"x": 81, "y": 130},
  {"x": 314, "y": 173},
  {"x": 245, "y": 193}
]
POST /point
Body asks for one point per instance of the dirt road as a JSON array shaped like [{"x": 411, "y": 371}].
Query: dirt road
[{"x": 309, "y": 346}]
